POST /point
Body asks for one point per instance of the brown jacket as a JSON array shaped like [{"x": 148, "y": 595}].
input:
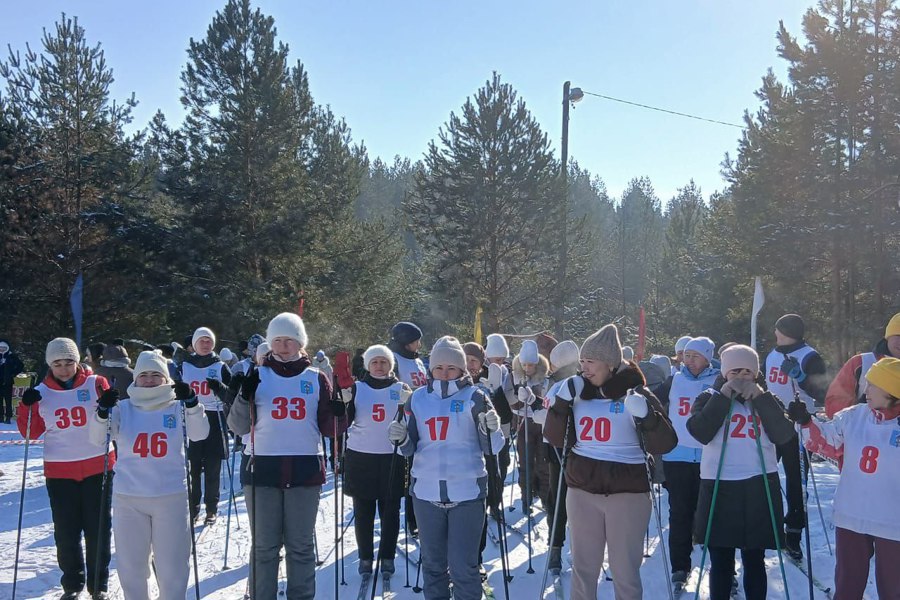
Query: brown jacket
[{"x": 607, "y": 477}]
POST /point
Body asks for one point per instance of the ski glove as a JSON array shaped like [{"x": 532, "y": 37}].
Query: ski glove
[
  {"x": 798, "y": 413},
  {"x": 571, "y": 389},
  {"x": 249, "y": 385},
  {"x": 338, "y": 408},
  {"x": 405, "y": 393},
  {"x": 215, "y": 385},
  {"x": 108, "y": 399},
  {"x": 489, "y": 421},
  {"x": 495, "y": 377},
  {"x": 791, "y": 367},
  {"x": 182, "y": 390},
  {"x": 346, "y": 395},
  {"x": 31, "y": 396},
  {"x": 741, "y": 389},
  {"x": 237, "y": 379},
  {"x": 636, "y": 405},
  {"x": 526, "y": 396},
  {"x": 397, "y": 432}
]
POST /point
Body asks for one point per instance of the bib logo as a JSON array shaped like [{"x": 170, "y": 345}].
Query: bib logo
[
  {"x": 305, "y": 387},
  {"x": 616, "y": 408},
  {"x": 456, "y": 406},
  {"x": 895, "y": 438},
  {"x": 169, "y": 421},
  {"x": 213, "y": 372},
  {"x": 83, "y": 396},
  {"x": 395, "y": 396}
]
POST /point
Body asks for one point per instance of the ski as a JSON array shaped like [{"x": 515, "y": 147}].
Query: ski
[
  {"x": 518, "y": 529},
  {"x": 364, "y": 586},
  {"x": 801, "y": 566},
  {"x": 487, "y": 592},
  {"x": 386, "y": 592},
  {"x": 556, "y": 582}
]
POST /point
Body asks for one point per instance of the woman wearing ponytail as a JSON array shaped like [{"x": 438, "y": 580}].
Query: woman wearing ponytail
[{"x": 150, "y": 504}]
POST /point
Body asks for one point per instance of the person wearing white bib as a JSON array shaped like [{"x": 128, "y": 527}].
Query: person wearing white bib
[
  {"x": 682, "y": 465},
  {"x": 209, "y": 377},
  {"x": 865, "y": 502},
  {"x": 373, "y": 473},
  {"x": 283, "y": 410},
  {"x": 610, "y": 421},
  {"x": 150, "y": 505},
  {"x": 450, "y": 426},
  {"x": 741, "y": 517},
  {"x": 60, "y": 408}
]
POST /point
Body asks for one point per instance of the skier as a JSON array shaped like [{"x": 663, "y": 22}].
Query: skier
[
  {"x": 115, "y": 366},
  {"x": 406, "y": 339},
  {"x": 150, "y": 506},
  {"x": 679, "y": 352},
  {"x": 606, "y": 471},
  {"x": 370, "y": 463},
  {"x": 792, "y": 369},
  {"x": 450, "y": 426},
  {"x": 563, "y": 365},
  {"x": 285, "y": 406},
  {"x": 849, "y": 386},
  {"x": 60, "y": 408},
  {"x": 741, "y": 515},
  {"x": 249, "y": 355},
  {"x": 10, "y": 367},
  {"x": 865, "y": 500},
  {"x": 682, "y": 465},
  {"x": 208, "y": 377}
]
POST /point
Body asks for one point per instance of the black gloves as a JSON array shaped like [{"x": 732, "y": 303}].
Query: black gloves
[
  {"x": 108, "y": 399},
  {"x": 184, "y": 393},
  {"x": 237, "y": 380},
  {"x": 791, "y": 367},
  {"x": 31, "y": 396},
  {"x": 215, "y": 385},
  {"x": 338, "y": 408},
  {"x": 798, "y": 413},
  {"x": 249, "y": 385}
]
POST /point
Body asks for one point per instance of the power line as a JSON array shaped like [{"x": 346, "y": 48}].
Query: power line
[{"x": 663, "y": 110}]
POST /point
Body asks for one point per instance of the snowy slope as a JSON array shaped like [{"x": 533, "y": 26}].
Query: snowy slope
[{"x": 39, "y": 576}]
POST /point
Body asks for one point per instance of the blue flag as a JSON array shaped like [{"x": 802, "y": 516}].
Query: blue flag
[{"x": 77, "y": 303}]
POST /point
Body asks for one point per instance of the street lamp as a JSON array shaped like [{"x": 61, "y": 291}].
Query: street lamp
[{"x": 570, "y": 96}]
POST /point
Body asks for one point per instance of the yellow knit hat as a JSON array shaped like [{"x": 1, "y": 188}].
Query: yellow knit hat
[
  {"x": 886, "y": 375},
  {"x": 893, "y": 326}
]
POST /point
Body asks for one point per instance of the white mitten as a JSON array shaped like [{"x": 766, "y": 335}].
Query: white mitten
[
  {"x": 397, "y": 432},
  {"x": 347, "y": 395},
  {"x": 636, "y": 405},
  {"x": 490, "y": 421},
  {"x": 405, "y": 393}
]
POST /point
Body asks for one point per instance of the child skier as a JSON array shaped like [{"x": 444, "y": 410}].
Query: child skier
[
  {"x": 741, "y": 514},
  {"x": 451, "y": 426},
  {"x": 868, "y": 436},
  {"x": 150, "y": 506}
]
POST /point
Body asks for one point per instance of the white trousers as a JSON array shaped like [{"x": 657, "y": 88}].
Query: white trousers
[{"x": 152, "y": 524}]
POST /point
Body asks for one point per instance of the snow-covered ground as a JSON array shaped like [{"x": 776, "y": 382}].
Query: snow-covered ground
[{"x": 39, "y": 576}]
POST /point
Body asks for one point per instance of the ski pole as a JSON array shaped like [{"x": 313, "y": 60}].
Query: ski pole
[
  {"x": 712, "y": 504},
  {"x": 337, "y": 516},
  {"x": 22, "y": 497},
  {"x": 103, "y": 492},
  {"x": 803, "y": 477},
  {"x": 559, "y": 483},
  {"x": 765, "y": 476},
  {"x": 503, "y": 557},
  {"x": 188, "y": 475},
  {"x": 406, "y": 522},
  {"x": 416, "y": 589},
  {"x": 390, "y": 491},
  {"x": 230, "y": 492},
  {"x": 812, "y": 477},
  {"x": 515, "y": 467},
  {"x": 340, "y": 461},
  {"x": 527, "y": 499}
]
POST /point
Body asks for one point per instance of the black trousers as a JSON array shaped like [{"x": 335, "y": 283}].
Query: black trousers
[
  {"x": 76, "y": 511},
  {"x": 559, "y": 536},
  {"x": 6, "y": 410},
  {"x": 721, "y": 573},
  {"x": 789, "y": 453},
  {"x": 364, "y": 527},
  {"x": 206, "y": 465},
  {"x": 683, "y": 485}
]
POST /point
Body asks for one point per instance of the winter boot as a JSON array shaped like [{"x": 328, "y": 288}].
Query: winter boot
[
  {"x": 210, "y": 518},
  {"x": 554, "y": 563},
  {"x": 792, "y": 538},
  {"x": 483, "y": 572},
  {"x": 70, "y": 596},
  {"x": 387, "y": 566},
  {"x": 679, "y": 578},
  {"x": 365, "y": 567},
  {"x": 101, "y": 596}
]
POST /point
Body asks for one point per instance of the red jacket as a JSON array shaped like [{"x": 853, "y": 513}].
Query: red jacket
[
  {"x": 844, "y": 390},
  {"x": 79, "y": 469}
]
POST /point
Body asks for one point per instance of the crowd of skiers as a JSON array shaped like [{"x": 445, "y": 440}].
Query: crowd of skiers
[{"x": 137, "y": 452}]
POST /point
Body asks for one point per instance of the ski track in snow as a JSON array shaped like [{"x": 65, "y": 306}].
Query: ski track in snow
[{"x": 39, "y": 575}]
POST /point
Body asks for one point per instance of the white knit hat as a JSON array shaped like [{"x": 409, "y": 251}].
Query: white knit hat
[
  {"x": 627, "y": 353},
  {"x": 528, "y": 354},
  {"x": 226, "y": 355},
  {"x": 448, "y": 351},
  {"x": 287, "y": 325},
  {"x": 261, "y": 351},
  {"x": 496, "y": 346},
  {"x": 203, "y": 332},
  {"x": 702, "y": 346},
  {"x": 62, "y": 349},
  {"x": 151, "y": 361},
  {"x": 376, "y": 351},
  {"x": 564, "y": 354},
  {"x": 682, "y": 342}
]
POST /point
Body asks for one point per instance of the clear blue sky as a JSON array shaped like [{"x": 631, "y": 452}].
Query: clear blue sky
[{"x": 396, "y": 69}]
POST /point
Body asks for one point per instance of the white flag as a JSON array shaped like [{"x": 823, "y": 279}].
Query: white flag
[{"x": 759, "y": 298}]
